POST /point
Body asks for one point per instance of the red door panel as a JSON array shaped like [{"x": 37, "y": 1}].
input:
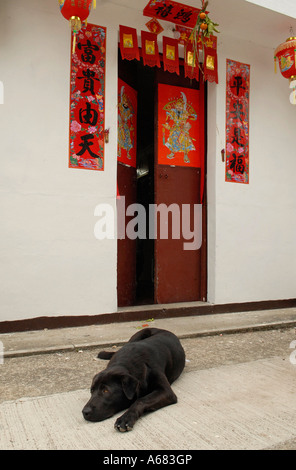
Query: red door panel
[{"x": 180, "y": 144}]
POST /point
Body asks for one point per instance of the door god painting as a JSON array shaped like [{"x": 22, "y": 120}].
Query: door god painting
[
  {"x": 127, "y": 124},
  {"x": 178, "y": 126},
  {"x": 178, "y": 116}
]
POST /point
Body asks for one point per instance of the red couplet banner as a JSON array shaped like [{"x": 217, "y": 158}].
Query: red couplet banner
[
  {"x": 237, "y": 121},
  {"x": 87, "y": 99}
]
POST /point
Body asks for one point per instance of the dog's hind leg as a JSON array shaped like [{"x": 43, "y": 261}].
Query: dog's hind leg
[
  {"x": 143, "y": 334},
  {"x": 106, "y": 354}
]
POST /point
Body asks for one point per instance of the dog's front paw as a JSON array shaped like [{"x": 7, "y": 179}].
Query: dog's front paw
[{"x": 124, "y": 423}]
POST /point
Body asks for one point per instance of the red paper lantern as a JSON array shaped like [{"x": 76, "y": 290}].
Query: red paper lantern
[
  {"x": 286, "y": 54},
  {"x": 76, "y": 11}
]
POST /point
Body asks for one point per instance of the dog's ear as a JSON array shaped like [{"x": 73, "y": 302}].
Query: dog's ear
[
  {"x": 130, "y": 386},
  {"x": 95, "y": 381}
]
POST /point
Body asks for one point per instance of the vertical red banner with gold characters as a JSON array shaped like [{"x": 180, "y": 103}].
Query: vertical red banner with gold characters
[
  {"x": 170, "y": 55},
  {"x": 87, "y": 99},
  {"x": 128, "y": 43},
  {"x": 127, "y": 124},
  {"x": 237, "y": 121}
]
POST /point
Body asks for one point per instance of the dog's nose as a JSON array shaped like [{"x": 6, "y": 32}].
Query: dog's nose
[{"x": 87, "y": 412}]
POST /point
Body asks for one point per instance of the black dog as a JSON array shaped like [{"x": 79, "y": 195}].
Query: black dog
[{"x": 138, "y": 377}]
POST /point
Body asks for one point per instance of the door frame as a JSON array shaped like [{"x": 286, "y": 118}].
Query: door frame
[{"x": 204, "y": 267}]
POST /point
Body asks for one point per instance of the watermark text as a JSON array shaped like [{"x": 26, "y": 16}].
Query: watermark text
[
  {"x": 158, "y": 221},
  {"x": 293, "y": 353},
  {"x": 1, "y": 93},
  {"x": 1, "y": 353}
]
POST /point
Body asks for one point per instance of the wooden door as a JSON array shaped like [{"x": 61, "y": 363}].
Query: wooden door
[{"x": 180, "y": 274}]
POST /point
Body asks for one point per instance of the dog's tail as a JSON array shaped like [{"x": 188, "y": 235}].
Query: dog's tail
[{"x": 106, "y": 354}]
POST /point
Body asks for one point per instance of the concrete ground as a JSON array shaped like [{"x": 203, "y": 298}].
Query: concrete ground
[{"x": 237, "y": 390}]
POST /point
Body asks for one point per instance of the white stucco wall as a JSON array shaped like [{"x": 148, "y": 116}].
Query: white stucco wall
[
  {"x": 51, "y": 263},
  {"x": 252, "y": 253},
  {"x": 287, "y": 7}
]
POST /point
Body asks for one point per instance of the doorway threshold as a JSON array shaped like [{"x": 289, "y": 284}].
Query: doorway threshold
[
  {"x": 164, "y": 310},
  {"x": 183, "y": 309}
]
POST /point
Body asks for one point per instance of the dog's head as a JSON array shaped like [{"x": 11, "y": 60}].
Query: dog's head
[{"x": 111, "y": 391}]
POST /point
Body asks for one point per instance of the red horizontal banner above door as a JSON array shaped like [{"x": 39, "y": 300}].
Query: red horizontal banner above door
[{"x": 175, "y": 12}]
